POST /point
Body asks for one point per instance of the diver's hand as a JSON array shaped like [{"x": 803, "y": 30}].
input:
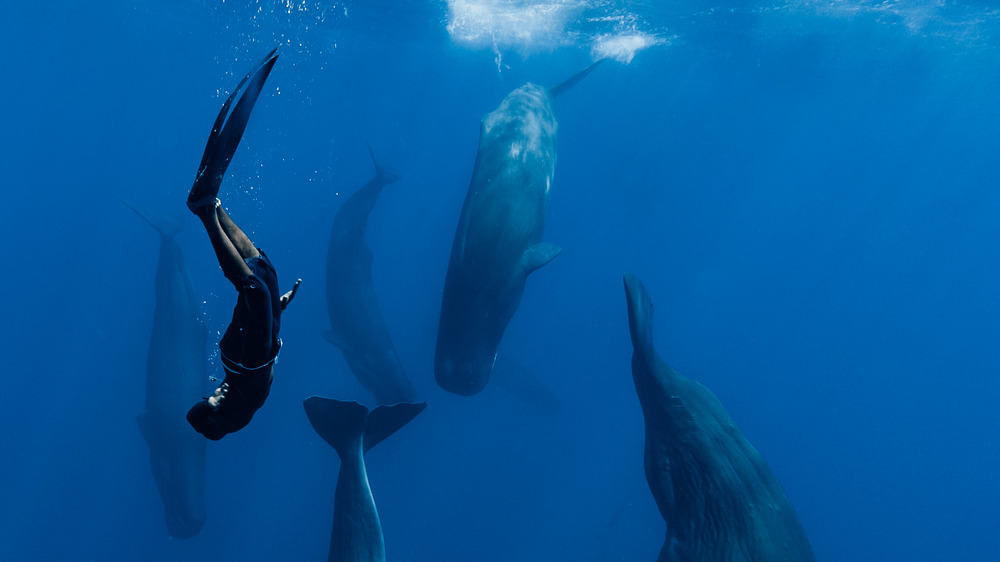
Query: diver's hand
[
  {"x": 287, "y": 297},
  {"x": 219, "y": 395}
]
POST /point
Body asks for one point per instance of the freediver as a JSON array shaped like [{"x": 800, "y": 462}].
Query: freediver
[{"x": 250, "y": 345}]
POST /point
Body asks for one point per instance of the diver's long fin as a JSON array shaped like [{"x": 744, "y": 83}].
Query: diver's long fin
[
  {"x": 573, "y": 80},
  {"x": 229, "y": 127},
  {"x": 232, "y": 132},
  {"x": 166, "y": 225},
  {"x": 339, "y": 423},
  {"x": 384, "y": 174},
  {"x": 386, "y": 420},
  {"x": 220, "y": 120},
  {"x": 640, "y": 318}
]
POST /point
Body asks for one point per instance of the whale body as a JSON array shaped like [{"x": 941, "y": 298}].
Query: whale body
[
  {"x": 720, "y": 500},
  {"x": 352, "y": 430},
  {"x": 498, "y": 239},
  {"x": 176, "y": 375},
  {"x": 357, "y": 326}
]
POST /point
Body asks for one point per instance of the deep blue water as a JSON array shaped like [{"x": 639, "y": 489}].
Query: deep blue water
[{"x": 809, "y": 190}]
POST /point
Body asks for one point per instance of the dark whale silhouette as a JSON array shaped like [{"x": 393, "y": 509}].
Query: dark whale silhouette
[
  {"x": 519, "y": 381},
  {"x": 176, "y": 374},
  {"x": 718, "y": 497},
  {"x": 350, "y": 429},
  {"x": 357, "y": 327},
  {"x": 498, "y": 240}
]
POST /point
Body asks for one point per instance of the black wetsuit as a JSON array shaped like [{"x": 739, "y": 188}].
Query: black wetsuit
[{"x": 248, "y": 350}]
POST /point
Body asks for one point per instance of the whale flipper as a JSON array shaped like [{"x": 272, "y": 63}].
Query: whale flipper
[
  {"x": 383, "y": 174},
  {"x": 538, "y": 255},
  {"x": 573, "y": 80},
  {"x": 166, "y": 225},
  {"x": 227, "y": 132}
]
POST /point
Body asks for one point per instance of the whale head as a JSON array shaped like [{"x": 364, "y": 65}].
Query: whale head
[
  {"x": 474, "y": 316},
  {"x": 464, "y": 374},
  {"x": 182, "y": 487},
  {"x": 177, "y": 461},
  {"x": 184, "y": 524}
]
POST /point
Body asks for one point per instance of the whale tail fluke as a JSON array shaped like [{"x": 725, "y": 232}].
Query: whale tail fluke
[
  {"x": 166, "y": 225},
  {"x": 341, "y": 423},
  {"x": 384, "y": 174},
  {"x": 573, "y": 80},
  {"x": 640, "y": 318},
  {"x": 386, "y": 420}
]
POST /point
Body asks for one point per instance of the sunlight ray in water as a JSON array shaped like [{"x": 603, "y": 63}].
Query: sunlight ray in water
[{"x": 526, "y": 25}]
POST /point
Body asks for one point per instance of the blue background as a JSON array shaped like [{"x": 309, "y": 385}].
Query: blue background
[{"x": 809, "y": 190}]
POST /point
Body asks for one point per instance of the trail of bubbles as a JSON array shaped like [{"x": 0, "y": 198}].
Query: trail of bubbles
[
  {"x": 623, "y": 48},
  {"x": 605, "y": 27},
  {"x": 957, "y": 22}
]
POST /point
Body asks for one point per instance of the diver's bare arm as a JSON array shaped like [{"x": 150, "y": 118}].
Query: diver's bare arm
[{"x": 287, "y": 297}]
